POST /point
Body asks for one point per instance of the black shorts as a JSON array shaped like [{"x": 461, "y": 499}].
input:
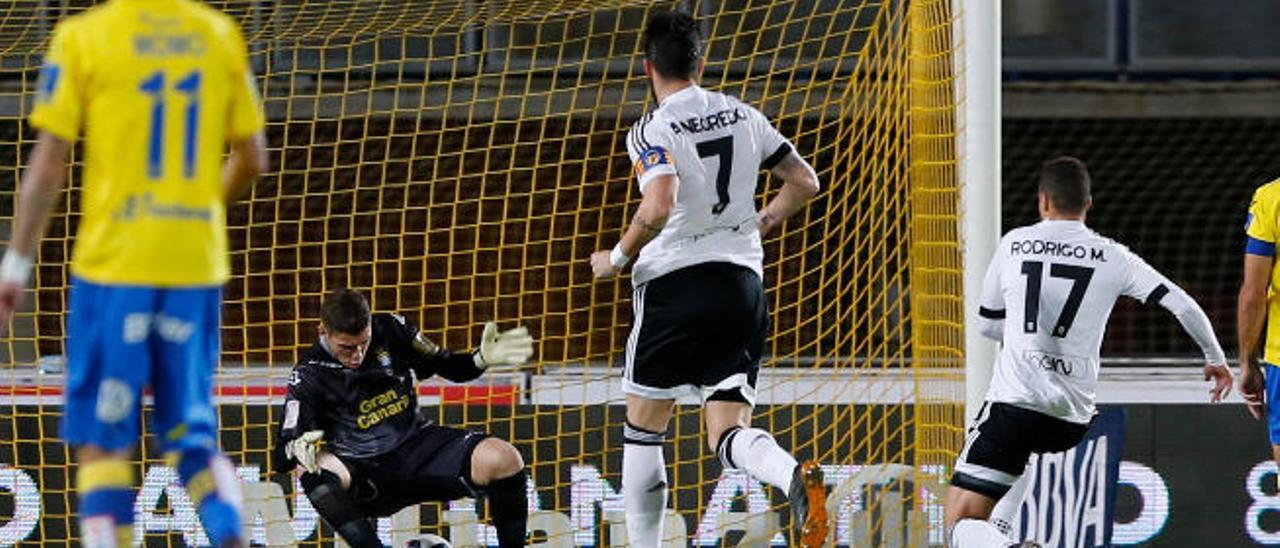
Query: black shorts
[
  {"x": 698, "y": 330},
  {"x": 434, "y": 464},
  {"x": 1001, "y": 441}
]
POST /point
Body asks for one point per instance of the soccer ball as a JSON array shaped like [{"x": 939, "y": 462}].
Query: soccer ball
[{"x": 429, "y": 541}]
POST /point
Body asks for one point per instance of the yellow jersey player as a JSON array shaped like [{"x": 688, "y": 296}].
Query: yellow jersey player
[
  {"x": 1259, "y": 302},
  {"x": 160, "y": 88}
]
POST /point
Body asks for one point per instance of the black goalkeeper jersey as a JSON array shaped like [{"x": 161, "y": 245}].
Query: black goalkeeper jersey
[{"x": 368, "y": 411}]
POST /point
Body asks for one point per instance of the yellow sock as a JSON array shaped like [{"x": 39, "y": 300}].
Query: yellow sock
[{"x": 106, "y": 503}]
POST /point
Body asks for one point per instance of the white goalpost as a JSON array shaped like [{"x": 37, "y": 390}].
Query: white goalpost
[{"x": 977, "y": 71}]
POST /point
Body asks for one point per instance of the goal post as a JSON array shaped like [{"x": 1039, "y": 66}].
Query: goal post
[
  {"x": 978, "y": 77},
  {"x": 458, "y": 161}
]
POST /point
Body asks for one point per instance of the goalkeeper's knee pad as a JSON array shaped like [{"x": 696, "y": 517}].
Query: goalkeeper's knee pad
[{"x": 339, "y": 510}]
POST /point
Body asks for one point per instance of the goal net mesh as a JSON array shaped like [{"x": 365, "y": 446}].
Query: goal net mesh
[{"x": 458, "y": 161}]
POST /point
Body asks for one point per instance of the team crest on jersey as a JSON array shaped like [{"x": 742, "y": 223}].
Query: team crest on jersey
[
  {"x": 384, "y": 358},
  {"x": 650, "y": 158}
]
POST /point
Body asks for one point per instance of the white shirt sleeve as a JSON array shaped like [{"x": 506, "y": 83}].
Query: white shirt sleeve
[
  {"x": 773, "y": 146},
  {"x": 649, "y": 144},
  {"x": 1141, "y": 281},
  {"x": 991, "y": 305},
  {"x": 1150, "y": 286}
]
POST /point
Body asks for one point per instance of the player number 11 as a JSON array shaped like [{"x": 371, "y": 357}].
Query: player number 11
[{"x": 188, "y": 85}]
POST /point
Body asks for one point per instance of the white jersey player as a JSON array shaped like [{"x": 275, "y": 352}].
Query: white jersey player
[
  {"x": 720, "y": 146},
  {"x": 700, "y": 317},
  {"x": 1047, "y": 295}
]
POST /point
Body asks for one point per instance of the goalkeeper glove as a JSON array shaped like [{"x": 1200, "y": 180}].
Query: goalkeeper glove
[
  {"x": 511, "y": 347},
  {"x": 303, "y": 449}
]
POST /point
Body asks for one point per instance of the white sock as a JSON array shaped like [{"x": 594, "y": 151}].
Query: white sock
[
  {"x": 754, "y": 451},
  {"x": 644, "y": 486},
  {"x": 1006, "y": 510},
  {"x": 973, "y": 533}
]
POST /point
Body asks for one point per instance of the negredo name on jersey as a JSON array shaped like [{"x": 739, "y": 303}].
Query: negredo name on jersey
[{"x": 713, "y": 121}]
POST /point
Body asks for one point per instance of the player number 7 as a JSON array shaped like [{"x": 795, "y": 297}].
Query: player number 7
[{"x": 723, "y": 148}]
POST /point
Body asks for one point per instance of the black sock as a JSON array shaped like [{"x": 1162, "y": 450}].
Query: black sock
[
  {"x": 339, "y": 510},
  {"x": 509, "y": 508}
]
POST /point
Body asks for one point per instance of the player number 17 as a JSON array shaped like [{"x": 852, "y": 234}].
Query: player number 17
[
  {"x": 1034, "y": 271},
  {"x": 188, "y": 85}
]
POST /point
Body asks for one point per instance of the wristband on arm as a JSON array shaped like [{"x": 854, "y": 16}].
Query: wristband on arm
[
  {"x": 618, "y": 258},
  {"x": 16, "y": 267}
]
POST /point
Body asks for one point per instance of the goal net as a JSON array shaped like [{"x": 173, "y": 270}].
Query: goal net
[{"x": 458, "y": 161}]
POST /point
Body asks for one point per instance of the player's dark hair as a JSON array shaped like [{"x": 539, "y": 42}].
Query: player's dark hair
[
  {"x": 1066, "y": 181},
  {"x": 345, "y": 311},
  {"x": 673, "y": 43}
]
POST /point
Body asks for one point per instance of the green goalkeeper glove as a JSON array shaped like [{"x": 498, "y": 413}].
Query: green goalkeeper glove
[{"x": 511, "y": 347}]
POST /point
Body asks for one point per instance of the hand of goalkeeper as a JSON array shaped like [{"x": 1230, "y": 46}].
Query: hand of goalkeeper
[
  {"x": 303, "y": 449},
  {"x": 511, "y": 347}
]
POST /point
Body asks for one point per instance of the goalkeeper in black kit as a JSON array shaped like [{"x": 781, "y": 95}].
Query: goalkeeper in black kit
[{"x": 351, "y": 423}]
